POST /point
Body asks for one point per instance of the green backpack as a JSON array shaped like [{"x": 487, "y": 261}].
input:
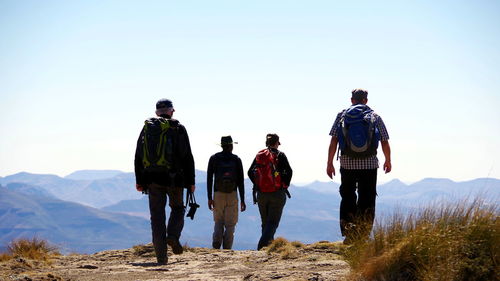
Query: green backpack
[{"x": 158, "y": 144}]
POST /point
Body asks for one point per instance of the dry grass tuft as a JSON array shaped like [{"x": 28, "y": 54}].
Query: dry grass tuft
[
  {"x": 5, "y": 257},
  {"x": 297, "y": 244},
  {"x": 34, "y": 249},
  {"x": 146, "y": 250},
  {"x": 283, "y": 247},
  {"x": 327, "y": 245},
  {"x": 186, "y": 248},
  {"x": 458, "y": 241}
]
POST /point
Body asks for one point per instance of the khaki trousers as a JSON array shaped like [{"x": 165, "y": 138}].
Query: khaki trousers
[{"x": 225, "y": 217}]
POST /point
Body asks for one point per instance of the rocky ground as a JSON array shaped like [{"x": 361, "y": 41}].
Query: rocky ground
[{"x": 319, "y": 261}]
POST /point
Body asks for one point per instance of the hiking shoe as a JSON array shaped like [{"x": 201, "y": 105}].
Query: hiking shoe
[
  {"x": 175, "y": 244},
  {"x": 161, "y": 261},
  {"x": 216, "y": 245}
]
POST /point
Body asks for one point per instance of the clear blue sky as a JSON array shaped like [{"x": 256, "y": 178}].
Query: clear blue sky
[{"x": 78, "y": 78}]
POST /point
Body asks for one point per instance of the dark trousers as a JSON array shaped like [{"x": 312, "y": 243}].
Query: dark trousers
[
  {"x": 357, "y": 211},
  {"x": 270, "y": 207},
  {"x": 157, "y": 202}
]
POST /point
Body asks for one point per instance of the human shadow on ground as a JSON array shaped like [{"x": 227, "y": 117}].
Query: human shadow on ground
[{"x": 154, "y": 264}]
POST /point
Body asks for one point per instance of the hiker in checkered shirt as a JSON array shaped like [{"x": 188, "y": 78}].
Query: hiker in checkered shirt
[{"x": 358, "y": 174}]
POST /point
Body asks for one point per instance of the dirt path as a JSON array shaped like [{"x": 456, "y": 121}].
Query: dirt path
[{"x": 320, "y": 261}]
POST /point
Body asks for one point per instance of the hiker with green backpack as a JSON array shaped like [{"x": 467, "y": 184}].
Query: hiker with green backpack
[
  {"x": 270, "y": 174},
  {"x": 164, "y": 166},
  {"x": 227, "y": 170},
  {"x": 357, "y": 131}
]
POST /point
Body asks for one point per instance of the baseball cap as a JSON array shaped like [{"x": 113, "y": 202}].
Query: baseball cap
[
  {"x": 271, "y": 139},
  {"x": 164, "y": 103}
]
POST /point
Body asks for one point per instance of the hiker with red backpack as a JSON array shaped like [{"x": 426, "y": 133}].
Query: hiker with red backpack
[
  {"x": 357, "y": 132},
  {"x": 227, "y": 169},
  {"x": 270, "y": 174},
  {"x": 164, "y": 166}
]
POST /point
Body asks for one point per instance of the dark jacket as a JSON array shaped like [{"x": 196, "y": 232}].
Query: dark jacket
[
  {"x": 283, "y": 168},
  {"x": 213, "y": 163},
  {"x": 182, "y": 174}
]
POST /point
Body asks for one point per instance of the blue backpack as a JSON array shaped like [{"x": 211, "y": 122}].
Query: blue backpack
[{"x": 357, "y": 132}]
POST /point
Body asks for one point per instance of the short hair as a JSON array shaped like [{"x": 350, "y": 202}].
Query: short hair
[
  {"x": 359, "y": 94},
  {"x": 272, "y": 139}
]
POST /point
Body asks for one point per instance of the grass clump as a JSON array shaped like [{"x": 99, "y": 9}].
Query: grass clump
[
  {"x": 297, "y": 244},
  {"x": 34, "y": 249},
  {"x": 449, "y": 242},
  {"x": 327, "y": 245},
  {"x": 286, "y": 249},
  {"x": 146, "y": 250},
  {"x": 5, "y": 257},
  {"x": 187, "y": 248}
]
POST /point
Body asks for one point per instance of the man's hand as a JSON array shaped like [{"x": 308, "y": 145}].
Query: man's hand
[
  {"x": 386, "y": 148},
  {"x": 139, "y": 187},
  {"x": 387, "y": 167},
  {"x": 330, "y": 170},
  {"x": 243, "y": 206},
  {"x": 210, "y": 205},
  {"x": 254, "y": 196},
  {"x": 192, "y": 188}
]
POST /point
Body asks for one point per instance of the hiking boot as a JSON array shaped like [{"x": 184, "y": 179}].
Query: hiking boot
[
  {"x": 161, "y": 261},
  {"x": 175, "y": 244},
  {"x": 216, "y": 245}
]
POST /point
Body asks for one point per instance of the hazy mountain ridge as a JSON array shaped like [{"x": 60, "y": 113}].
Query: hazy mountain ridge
[
  {"x": 96, "y": 193},
  {"x": 29, "y": 189},
  {"x": 71, "y": 226},
  {"x": 93, "y": 174},
  {"x": 431, "y": 189},
  {"x": 310, "y": 215}
]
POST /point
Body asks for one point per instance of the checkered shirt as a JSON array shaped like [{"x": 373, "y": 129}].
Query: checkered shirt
[{"x": 371, "y": 162}]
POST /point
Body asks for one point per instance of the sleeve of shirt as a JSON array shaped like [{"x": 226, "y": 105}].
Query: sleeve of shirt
[
  {"x": 187, "y": 157},
  {"x": 384, "y": 135},
  {"x": 138, "y": 166},
  {"x": 286, "y": 172},
  {"x": 241, "y": 181},
  {"x": 210, "y": 177},
  {"x": 333, "y": 130},
  {"x": 250, "y": 171}
]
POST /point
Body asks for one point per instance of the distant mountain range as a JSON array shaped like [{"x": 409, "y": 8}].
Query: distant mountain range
[
  {"x": 71, "y": 226},
  {"x": 52, "y": 207},
  {"x": 93, "y": 174},
  {"x": 91, "y": 188}
]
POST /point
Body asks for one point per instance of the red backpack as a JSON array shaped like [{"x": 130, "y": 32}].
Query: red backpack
[{"x": 267, "y": 176}]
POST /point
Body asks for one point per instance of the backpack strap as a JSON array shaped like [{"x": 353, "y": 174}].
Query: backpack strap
[
  {"x": 340, "y": 127},
  {"x": 277, "y": 164},
  {"x": 287, "y": 193},
  {"x": 275, "y": 167}
]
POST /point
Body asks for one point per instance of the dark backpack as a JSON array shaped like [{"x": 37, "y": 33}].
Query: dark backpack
[
  {"x": 225, "y": 174},
  {"x": 358, "y": 133},
  {"x": 158, "y": 144},
  {"x": 267, "y": 177}
]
